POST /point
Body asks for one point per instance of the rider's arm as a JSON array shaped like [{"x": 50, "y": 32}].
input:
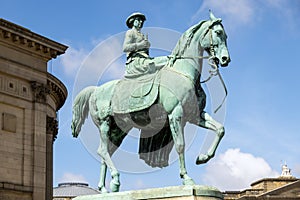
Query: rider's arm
[
  {"x": 133, "y": 43},
  {"x": 129, "y": 44}
]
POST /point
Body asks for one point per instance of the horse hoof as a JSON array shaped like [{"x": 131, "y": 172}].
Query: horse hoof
[
  {"x": 103, "y": 190},
  {"x": 188, "y": 181},
  {"x": 202, "y": 158},
  {"x": 114, "y": 186}
]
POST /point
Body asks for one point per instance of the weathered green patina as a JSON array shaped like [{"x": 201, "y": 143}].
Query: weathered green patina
[
  {"x": 160, "y": 106},
  {"x": 136, "y": 46}
]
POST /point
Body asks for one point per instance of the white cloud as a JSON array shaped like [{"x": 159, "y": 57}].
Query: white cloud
[
  {"x": 235, "y": 170},
  {"x": 69, "y": 177},
  {"x": 72, "y": 60},
  {"x": 236, "y": 12},
  {"x": 247, "y": 12},
  {"x": 92, "y": 64},
  {"x": 103, "y": 63},
  {"x": 287, "y": 12}
]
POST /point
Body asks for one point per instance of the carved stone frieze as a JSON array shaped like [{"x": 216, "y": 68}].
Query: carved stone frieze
[
  {"x": 25, "y": 38},
  {"x": 52, "y": 127},
  {"x": 40, "y": 91},
  {"x": 15, "y": 87}
]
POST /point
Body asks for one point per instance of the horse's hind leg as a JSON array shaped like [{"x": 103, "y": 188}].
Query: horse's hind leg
[
  {"x": 101, "y": 184},
  {"x": 104, "y": 129},
  {"x": 208, "y": 122},
  {"x": 175, "y": 121}
]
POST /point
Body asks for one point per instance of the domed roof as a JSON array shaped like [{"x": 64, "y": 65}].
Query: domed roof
[{"x": 73, "y": 190}]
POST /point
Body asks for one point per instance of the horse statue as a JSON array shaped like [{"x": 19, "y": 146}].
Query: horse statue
[{"x": 160, "y": 107}]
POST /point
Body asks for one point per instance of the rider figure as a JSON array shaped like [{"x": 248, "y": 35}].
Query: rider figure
[{"x": 136, "y": 46}]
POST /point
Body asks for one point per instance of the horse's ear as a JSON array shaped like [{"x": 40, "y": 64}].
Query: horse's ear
[{"x": 212, "y": 16}]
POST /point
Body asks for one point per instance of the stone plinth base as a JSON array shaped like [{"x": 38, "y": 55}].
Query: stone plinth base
[{"x": 195, "y": 192}]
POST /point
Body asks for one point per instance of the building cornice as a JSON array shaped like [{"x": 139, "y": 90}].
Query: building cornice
[
  {"x": 57, "y": 89},
  {"x": 279, "y": 179},
  {"x": 23, "y": 37},
  {"x": 283, "y": 188}
]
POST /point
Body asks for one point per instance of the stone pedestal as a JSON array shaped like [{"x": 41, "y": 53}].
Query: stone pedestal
[{"x": 196, "y": 192}]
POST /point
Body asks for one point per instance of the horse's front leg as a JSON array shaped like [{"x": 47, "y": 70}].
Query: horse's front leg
[
  {"x": 176, "y": 125},
  {"x": 208, "y": 122}
]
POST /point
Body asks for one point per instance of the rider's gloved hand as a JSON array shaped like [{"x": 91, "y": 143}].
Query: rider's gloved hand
[{"x": 144, "y": 44}]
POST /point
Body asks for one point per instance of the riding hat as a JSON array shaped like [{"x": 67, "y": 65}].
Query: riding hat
[{"x": 130, "y": 19}]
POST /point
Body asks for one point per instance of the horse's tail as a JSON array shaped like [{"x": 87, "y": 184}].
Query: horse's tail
[{"x": 81, "y": 109}]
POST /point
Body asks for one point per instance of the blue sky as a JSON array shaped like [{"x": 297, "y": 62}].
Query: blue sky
[{"x": 262, "y": 109}]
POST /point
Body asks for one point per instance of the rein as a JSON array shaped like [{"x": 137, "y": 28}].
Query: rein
[{"x": 215, "y": 70}]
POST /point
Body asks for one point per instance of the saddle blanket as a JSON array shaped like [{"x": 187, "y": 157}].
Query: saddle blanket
[{"x": 131, "y": 95}]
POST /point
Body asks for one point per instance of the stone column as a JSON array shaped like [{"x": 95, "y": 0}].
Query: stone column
[
  {"x": 52, "y": 130},
  {"x": 40, "y": 92}
]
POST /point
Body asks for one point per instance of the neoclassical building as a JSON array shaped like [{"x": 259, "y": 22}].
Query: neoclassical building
[
  {"x": 29, "y": 100},
  {"x": 285, "y": 186}
]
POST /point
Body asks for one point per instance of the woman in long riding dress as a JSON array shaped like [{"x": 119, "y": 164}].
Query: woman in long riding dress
[{"x": 136, "y": 46}]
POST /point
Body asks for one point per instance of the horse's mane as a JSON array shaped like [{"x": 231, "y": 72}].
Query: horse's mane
[{"x": 185, "y": 39}]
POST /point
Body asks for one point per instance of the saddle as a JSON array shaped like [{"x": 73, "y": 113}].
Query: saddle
[{"x": 131, "y": 95}]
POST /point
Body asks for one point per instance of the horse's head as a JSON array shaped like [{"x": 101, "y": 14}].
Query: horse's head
[{"x": 214, "y": 40}]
